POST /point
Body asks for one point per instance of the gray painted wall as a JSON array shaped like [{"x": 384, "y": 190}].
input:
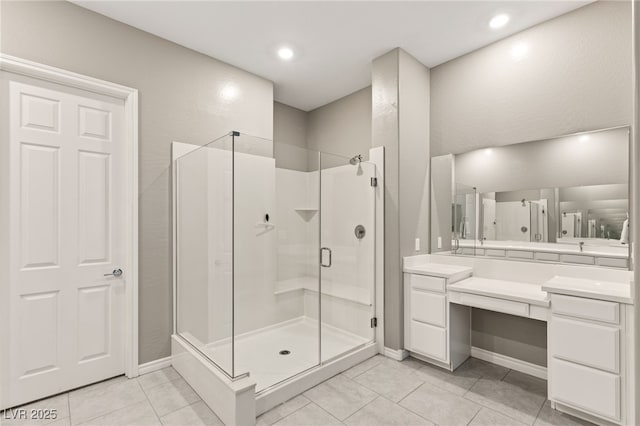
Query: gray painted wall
[
  {"x": 342, "y": 127},
  {"x": 520, "y": 338},
  {"x": 577, "y": 76},
  {"x": 290, "y": 137},
  {"x": 180, "y": 100},
  {"x": 385, "y": 132},
  {"x": 400, "y": 93},
  {"x": 414, "y": 155}
]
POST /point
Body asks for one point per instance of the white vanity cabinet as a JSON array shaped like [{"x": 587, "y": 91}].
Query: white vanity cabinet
[
  {"x": 434, "y": 330},
  {"x": 587, "y": 357}
]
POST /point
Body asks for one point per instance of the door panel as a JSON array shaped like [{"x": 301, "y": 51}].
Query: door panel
[
  {"x": 39, "y": 331},
  {"x": 67, "y": 230},
  {"x": 94, "y": 176},
  {"x": 40, "y": 205},
  {"x": 347, "y": 234}
]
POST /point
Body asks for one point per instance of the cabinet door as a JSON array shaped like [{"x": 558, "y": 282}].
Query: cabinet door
[
  {"x": 580, "y": 307},
  {"x": 423, "y": 282},
  {"x": 584, "y": 388},
  {"x": 428, "y": 307},
  {"x": 429, "y": 340},
  {"x": 585, "y": 343}
]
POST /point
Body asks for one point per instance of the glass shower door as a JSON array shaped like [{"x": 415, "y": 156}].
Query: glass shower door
[
  {"x": 347, "y": 254},
  {"x": 464, "y": 218},
  {"x": 204, "y": 202}
]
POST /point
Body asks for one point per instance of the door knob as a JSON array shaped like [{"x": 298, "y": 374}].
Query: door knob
[{"x": 115, "y": 273}]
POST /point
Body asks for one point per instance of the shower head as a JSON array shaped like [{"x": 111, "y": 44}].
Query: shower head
[{"x": 355, "y": 160}]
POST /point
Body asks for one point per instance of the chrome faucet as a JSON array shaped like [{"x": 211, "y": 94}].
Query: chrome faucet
[{"x": 581, "y": 244}]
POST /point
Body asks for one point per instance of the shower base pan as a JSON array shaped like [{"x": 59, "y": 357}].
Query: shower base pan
[{"x": 273, "y": 377}]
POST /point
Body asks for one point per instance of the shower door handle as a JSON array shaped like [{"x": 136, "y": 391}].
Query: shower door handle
[{"x": 328, "y": 265}]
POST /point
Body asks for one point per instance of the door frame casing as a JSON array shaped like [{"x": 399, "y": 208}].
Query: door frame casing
[{"x": 129, "y": 96}]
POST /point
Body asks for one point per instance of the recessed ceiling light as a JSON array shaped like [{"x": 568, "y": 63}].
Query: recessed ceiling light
[
  {"x": 285, "y": 53},
  {"x": 499, "y": 21}
]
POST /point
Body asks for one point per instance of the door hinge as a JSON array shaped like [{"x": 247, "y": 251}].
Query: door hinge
[
  {"x": 374, "y": 181},
  {"x": 374, "y": 322}
]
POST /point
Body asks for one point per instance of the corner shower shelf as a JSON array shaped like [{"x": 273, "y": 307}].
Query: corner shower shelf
[
  {"x": 306, "y": 212},
  {"x": 351, "y": 293}
]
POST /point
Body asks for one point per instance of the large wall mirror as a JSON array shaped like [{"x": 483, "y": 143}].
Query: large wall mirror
[{"x": 564, "y": 199}]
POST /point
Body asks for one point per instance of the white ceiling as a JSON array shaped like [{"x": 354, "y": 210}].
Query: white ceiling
[{"x": 334, "y": 41}]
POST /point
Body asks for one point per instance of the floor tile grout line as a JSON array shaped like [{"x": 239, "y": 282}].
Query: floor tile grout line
[
  {"x": 294, "y": 411},
  {"x": 447, "y": 390},
  {"x": 149, "y": 401},
  {"x": 475, "y": 415},
  {"x": 377, "y": 395},
  {"x": 328, "y": 412},
  {"x": 540, "y": 410},
  {"x": 410, "y": 392},
  {"x": 106, "y": 414},
  {"x": 163, "y": 383},
  {"x": 109, "y": 412},
  {"x": 363, "y": 407},
  {"x": 416, "y": 413},
  {"x": 361, "y": 373},
  {"x": 410, "y": 410},
  {"x": 69, "y": 407},
  {"x": 499, "y": 411}
]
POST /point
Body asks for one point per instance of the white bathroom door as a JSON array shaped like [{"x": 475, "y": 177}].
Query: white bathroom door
[{"x": 67, "y": 216}]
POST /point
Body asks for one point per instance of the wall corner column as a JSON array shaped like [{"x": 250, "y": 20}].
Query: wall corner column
[{"x": 400, "y": 123}]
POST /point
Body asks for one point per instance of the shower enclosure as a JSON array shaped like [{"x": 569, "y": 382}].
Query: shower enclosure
[{"x": 274, "y": 257}]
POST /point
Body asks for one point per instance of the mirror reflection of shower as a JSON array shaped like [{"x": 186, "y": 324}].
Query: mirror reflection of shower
[{"x": 357, "y": 159}]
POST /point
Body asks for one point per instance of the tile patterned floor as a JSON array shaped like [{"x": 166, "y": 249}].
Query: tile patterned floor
[{"x": 379, "y": 391}]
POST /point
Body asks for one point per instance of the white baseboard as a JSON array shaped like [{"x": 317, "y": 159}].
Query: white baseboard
[
  {"x": 151, "y": 366},
  {"x": 397, "y": 354},
  {"x": 512, "y": 363}
]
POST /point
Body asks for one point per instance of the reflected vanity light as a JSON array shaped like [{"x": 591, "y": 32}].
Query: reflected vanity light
[
  {"x": 229, "y": 92},
  {"x": 488, "y": 152},
  {"x": 583, "y": 138},
  {"x": 519, "y": 51},
  {"x": 499, "y": 21}
]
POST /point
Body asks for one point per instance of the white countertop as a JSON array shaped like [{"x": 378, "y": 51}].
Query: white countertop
[
  {"x": 617, "y": 251},
  {"x": 451, "y": 272},
  {"x": 593, "y": 289},
  {"x": 508, "y": 290}
]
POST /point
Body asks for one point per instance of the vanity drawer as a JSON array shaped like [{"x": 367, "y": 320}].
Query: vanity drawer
[
  {"x": 547, "y": 257},
  {"x": 580, "y": 307},
  {"x": 424, "y": 282},
  {"x": 613, "y": 262},
  {"x": 490, "y": 303},
  {"x": 585, "y": 343},
  {"x": 428, "y": 307},
  {"x": 495, "y": 252},
  {"x": 588, "y": 389},
  {"x": 576, "y": 258},
  {"x": 429, "y": 340},
  {"x": 520, "y": 254}
]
